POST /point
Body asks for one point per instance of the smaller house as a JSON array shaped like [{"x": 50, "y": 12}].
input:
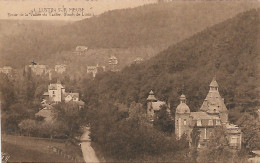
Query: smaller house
[
  {"x": 113, "y": 62},
  {"x": 234, "y": 135},
  {"x": 55, "y": 92},
  {"x": 38, "y": 69},
  {"x": 71, "y": 97},
  {"x": 95, "y": 69},
  {"x": 138, "y": 60},
  {"x": 60, "y": 68},
  {"x": 81, "y": 50},
  {"x": 46, "y": 113},
  {"x": 154, "y": 105},
  {"x": 6, "y": 70}
]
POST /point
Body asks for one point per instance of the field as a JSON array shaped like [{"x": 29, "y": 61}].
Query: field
[{"x": 29, "y": 149}]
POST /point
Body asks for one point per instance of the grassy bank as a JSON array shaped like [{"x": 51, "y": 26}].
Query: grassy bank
[{"x": 31, "y": 149}]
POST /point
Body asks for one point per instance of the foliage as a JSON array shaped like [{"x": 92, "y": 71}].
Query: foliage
[
  {"x": 28, "y": 126},
  {"x": 217, "y": 148},
  {"x": 169, "y": 73},
  {"x": 70, "y": 116},
  {"x": 163, "y": 120},
  {"x": 154, "y": 26},
  {"x": 250, "y": 127},
  {"x": 132, "y": 137}
]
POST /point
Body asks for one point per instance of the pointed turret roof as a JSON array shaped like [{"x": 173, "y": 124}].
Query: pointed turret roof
[
  {"x": 151, "y": 96},
  {"x": 213, "y": 83}
]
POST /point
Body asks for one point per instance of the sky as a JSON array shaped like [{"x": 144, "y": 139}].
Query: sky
[{"x": 62, "y": 9}]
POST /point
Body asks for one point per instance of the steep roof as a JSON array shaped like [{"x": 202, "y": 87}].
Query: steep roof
[
  {"x": 54, "y": 86},
  {"x": 72, "y": 95},
  {"x": 157, "y": 105},
  {"x": 202, "y": 115},
  {"x": 213, "y": 100},
  {"x": 46, "y": 113}
]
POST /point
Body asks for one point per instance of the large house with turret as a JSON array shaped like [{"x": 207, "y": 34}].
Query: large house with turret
[{"x": 212, "y": 114}]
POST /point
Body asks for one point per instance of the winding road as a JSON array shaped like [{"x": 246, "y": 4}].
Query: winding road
[{"x": 88, "y": 152}]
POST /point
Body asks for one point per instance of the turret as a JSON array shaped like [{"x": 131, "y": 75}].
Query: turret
[
  {"x": 151, "y": 98},
  {"x": 213, "y": 85},
  {"x": 182, "y": 118},
  {"x": 182, "y": 107}
]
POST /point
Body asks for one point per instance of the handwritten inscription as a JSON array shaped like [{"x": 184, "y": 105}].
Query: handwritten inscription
[{"x": 62, "y": 11}]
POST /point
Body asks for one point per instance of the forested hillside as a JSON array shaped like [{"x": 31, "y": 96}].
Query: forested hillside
[
  {"x": 227, "y": 50},
  {"x": 151, "y": 27}
]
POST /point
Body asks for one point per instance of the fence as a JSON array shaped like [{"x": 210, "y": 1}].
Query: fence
[{"x": 62, "y": 153}]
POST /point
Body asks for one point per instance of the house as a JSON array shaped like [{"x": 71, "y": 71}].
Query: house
[
  {"x": 6, "y": 70},
  {"x": 56, "y": 93},
  {"x": 211, "y": 115},
  {"x": 113, "y": 62},
  {"x": 81, "y": 50},
  {"x": 95, "y": 69},
  {"x": 138, "y": 60},
  {"x": 46, "y": 113},
  {"x": 153, "y": 105},
  {"x": 38, "y": 69},
  {"x": 60, "y": 68},
  {"x": 71, "y": 97}
]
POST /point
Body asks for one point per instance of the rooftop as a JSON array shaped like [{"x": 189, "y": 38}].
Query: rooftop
[
  {"x": 202, "y": 115},
  {"x": 157, "y": 105}
]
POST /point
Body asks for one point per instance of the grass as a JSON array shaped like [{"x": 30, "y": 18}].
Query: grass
[
  {"x": 31, "y": 149},
  {"x": 20, "y": 153}
]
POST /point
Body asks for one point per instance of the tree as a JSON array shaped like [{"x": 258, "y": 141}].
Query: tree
[
  {"x": 70, "y": 115},
  {"x": 250, "y": 127},
  {"x": 217, "y": 148},
  {"x": 28, "y": 126},
  {"x": 163, "y": 120},
  {"x": 195, "y": 138}
]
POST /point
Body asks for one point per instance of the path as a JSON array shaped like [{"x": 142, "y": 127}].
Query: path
[{"x": 88, "y": 152}]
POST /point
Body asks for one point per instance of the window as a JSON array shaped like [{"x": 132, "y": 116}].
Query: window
[
  {"x": 217, "y": 122},
  {"x": 185, "y": 122},
  {"x": 210, "y": 122},
  {"x": 233, "y": 140},
  {"x": 198, "y": 122}
]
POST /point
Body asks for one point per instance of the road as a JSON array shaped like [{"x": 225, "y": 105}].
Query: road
[{"x": 88, "y": 152}]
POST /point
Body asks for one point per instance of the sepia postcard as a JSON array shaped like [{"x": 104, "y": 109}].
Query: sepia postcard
[{"x": 130, "y": 81}]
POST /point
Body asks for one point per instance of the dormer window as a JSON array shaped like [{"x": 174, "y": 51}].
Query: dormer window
[
  {"x": 199, "y": 122},
  {"x": 210, "y": 122},
  {"x": 185, "y": 122}
]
